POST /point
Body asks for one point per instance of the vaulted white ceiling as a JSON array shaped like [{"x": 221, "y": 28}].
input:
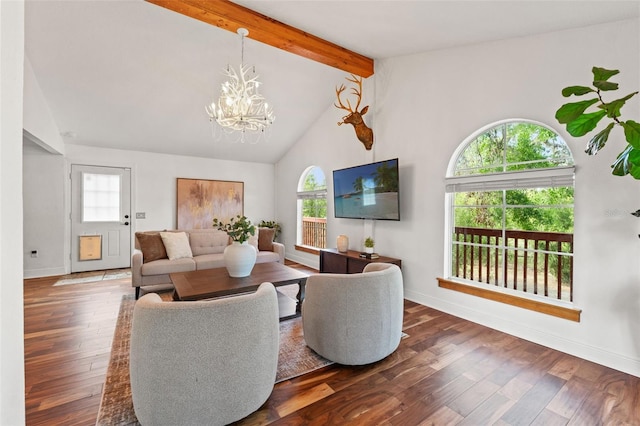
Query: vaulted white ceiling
[{"x": 128, "y": 74}]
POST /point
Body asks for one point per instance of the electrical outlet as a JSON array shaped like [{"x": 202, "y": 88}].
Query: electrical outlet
[
  {"x": 141, "y": 215},
  {"x": 34, "y": 253}
]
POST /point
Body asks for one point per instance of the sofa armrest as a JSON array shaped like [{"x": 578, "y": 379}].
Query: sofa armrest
[
  {"x": 136, "y": 268},
  {"x": 279, "y": 248}
]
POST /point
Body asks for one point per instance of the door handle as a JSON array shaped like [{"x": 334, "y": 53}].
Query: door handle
[{"x": 126, "y": 223}]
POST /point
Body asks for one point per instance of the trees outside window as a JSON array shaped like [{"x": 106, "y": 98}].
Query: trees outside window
[
  {"x": 510, "y": 197},
  {"x": 312, "y": 208}
]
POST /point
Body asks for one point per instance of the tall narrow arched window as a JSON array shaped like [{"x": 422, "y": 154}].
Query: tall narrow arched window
[
  {"x": 312, "y": 209},
  {"x": 510, "y": 220}
]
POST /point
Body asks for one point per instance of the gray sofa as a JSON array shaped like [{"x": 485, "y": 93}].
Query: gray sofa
[
  {"x": 150, "y": 270},
  {"x": 207, "y": 362}
]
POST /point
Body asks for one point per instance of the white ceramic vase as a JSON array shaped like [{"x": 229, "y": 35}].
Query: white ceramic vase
[
  {"x": 239, "y": 259},
  {"x": 368, "y": 250}
]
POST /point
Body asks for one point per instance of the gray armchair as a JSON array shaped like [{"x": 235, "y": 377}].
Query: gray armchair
[
  {"x": 208, "y": 362},
  {"x": 354, "y": 319}
]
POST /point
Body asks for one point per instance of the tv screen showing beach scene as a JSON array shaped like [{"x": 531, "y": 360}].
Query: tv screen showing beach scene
[{"x": 368, "y": 191}]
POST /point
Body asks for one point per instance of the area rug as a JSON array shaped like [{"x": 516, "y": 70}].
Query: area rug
[
  {"x": 92, "y": 277},
  {"x": 116, "y": 407}
]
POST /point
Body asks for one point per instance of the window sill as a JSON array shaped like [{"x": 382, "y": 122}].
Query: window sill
[
  {"x": 308, "y": 249},
  {"x": 571, "y": 314}
]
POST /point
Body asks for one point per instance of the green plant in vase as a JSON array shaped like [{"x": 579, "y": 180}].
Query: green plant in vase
[
  {"x": 368, "y": 245},
  {"x": 238, "y": 228},
  {"x": 579, "y": 122}
]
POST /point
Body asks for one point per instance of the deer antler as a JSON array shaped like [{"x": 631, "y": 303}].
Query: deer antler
[
  {"x": 358, "y": 91},
  {"x": 340, "y": 105}
]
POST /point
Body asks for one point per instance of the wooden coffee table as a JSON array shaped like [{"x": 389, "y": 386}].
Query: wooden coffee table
[{"x": 210, "y": 283}]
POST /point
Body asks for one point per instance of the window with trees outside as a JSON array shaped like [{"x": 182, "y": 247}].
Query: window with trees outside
[
  {"x": 312, "y": 209},
  {"x": 510, "y": 197}
]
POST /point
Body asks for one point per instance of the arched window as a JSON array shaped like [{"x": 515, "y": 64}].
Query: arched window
[
  {"x": 510, "y": 196},
  {"x": 312, "y": 209}
]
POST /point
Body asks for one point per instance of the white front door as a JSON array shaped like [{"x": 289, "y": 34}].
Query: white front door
[{"x": 100, "y": 218}]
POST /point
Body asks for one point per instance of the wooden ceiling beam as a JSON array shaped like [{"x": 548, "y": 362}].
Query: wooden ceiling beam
[{"x": 231, "y": 16}]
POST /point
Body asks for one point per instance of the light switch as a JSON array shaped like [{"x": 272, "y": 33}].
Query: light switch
[{"x": 140, "y": 215}]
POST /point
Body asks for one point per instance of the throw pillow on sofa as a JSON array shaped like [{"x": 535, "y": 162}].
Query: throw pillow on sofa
[
  {"x": 265, "y": 239},
  {"x": 151, "y": 246},
  {"x": 176, "y": 244}
]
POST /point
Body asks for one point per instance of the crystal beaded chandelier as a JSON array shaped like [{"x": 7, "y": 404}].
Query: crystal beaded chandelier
[{"x": 240, "y": 106}]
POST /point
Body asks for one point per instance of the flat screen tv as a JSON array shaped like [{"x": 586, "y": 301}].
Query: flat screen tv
[{"x": 368, "y": 191}]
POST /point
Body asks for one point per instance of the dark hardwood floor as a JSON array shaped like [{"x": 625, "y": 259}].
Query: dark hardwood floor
[{"x": 447, "y": 371}]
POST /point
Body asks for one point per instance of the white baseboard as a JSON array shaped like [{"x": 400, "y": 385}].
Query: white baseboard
[
  {"x": 301, "y": 260},
  {"x": 44, "y": 272},
  {"x": 599, "y": 355}
]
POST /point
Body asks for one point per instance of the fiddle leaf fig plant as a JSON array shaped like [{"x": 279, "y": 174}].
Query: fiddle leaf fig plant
[{"x": 579, "y": 121}]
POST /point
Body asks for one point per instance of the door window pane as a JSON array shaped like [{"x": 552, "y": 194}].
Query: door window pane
[{"x": 100, "y": 197}]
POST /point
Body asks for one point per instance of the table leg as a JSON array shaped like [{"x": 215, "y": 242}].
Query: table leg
[{"x": 300, "y": 295}]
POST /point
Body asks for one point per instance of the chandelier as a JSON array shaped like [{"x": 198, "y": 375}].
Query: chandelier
[{"x": 240, "y": 106}]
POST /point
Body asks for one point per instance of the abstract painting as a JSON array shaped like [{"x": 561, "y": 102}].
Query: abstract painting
[{"x": 200, "y": 200}]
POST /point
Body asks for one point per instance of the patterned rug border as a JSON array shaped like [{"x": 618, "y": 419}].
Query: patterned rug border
[{"x": 116, "y": 406}]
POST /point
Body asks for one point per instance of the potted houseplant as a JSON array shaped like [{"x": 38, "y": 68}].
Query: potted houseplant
[
  {"x": 368, "y": 245},
  {"x": 239, "y": 257}
]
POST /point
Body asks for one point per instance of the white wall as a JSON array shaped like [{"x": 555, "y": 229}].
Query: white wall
[
  {"x": 426, "y": 105},
  {"x": 38, "y": 120},
  {"x": 43, "y": 184},
  {"x": 12, "y": 408},
  {"x": 44, "y": 213}
]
